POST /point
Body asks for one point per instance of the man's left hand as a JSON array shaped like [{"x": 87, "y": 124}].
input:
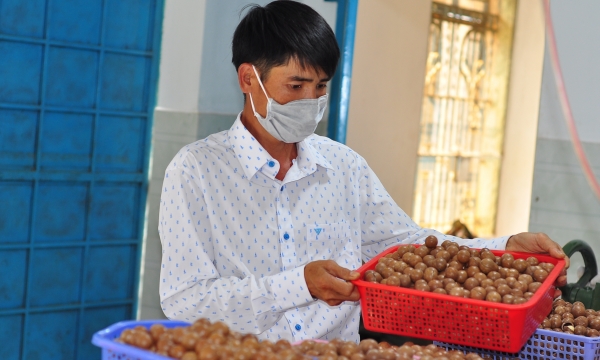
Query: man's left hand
[{"x": 540, "y": 243}]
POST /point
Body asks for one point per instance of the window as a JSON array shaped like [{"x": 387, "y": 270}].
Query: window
[{"x": 462, "y": 118}]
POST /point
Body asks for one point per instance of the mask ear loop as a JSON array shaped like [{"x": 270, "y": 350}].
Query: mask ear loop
[
  {"x": 263, "y": 89},
  {"x": 260, "y": 82}
]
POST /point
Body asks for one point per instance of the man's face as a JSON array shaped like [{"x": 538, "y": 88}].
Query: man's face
[{"x": 288, "y": 83}]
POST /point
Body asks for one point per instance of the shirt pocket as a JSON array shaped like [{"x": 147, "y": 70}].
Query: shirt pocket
[{"x": 328, "y": 241}]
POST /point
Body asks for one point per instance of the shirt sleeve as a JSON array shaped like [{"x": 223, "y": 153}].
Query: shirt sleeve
[
  {"x": 385, "y": 224},
  {"x": 190, "y": 284}
]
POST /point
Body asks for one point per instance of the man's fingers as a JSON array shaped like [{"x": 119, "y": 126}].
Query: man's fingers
[
  {"x": 341, "y": 272},
  {"x": 355, "y": 296},
  {"x": 336, "y": 299},
  {"x": 341, "y": 287},
  {"x": 330, "y": 282},
  {"x": 553, "y": 248}
]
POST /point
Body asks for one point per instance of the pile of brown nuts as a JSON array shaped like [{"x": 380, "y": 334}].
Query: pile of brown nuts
[
  {"x": 572, "y": 319},
  {"x": 215, "y": 341},
  {"x": 461, "y": 271},
  {"x": 370, "y": 349},
  {"x": 207, "y": 341}
]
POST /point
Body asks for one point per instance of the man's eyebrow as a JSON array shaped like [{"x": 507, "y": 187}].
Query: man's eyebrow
[{"x": 303, "y": 79}]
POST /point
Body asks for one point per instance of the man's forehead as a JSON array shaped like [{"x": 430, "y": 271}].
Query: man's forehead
[{"x": 294, "y": 71}]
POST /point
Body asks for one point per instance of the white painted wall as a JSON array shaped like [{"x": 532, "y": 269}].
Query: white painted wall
[
  {"x": 563, "y": 204},
  {"x": 524, "y": 88},
  {"x": 388, "y": 75},
  {"x": 577, "y": 29},
  {"x": 181, "y": 55}
]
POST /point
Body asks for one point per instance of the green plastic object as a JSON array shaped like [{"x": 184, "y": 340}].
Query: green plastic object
[{"x": 579, "y": 291}]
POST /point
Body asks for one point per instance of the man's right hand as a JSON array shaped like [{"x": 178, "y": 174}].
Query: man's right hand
[{"x": 329, "y": 282}]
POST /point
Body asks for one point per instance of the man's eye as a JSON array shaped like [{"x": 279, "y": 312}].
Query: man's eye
[
  {"x": 322, "y": 86},
  {"x": 296, "y": 86}
]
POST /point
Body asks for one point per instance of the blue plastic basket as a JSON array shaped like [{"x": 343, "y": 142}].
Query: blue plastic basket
[
  {"x": 114, "y": 350},
  {"x": 543, "y": 345}
]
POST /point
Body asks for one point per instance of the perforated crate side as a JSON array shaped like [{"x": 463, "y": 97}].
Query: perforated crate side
[{"x": 543, "y": 345}]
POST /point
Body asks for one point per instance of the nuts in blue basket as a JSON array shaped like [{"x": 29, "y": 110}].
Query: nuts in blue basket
[
  {"x": 563, "y": 319},
  {"x": 422, "y": 268},
  {"x": 207, "y": 341},
  {"x": 369, "y": 349}
]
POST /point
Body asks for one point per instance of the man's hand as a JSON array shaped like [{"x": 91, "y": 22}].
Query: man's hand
[
  {"x": 540, "y": 243},
  {"x": 328, "y": 281}
]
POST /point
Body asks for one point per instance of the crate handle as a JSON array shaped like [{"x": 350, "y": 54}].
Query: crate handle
[{"x": 591, "y": 267}]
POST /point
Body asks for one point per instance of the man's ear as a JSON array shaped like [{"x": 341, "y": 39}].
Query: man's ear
[{"x": 245, "y": 77}]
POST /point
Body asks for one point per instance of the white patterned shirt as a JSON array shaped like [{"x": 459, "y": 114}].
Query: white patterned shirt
[{"x": 235, "y": 239}]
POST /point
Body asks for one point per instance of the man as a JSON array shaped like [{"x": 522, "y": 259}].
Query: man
[{"x": 261, "y": 225}]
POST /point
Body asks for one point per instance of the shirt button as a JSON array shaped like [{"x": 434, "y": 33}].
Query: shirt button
[
  {"x": 298, "y": 327},
  {"x": 271, "y": 163},
  {"x": 286, "y": 236}
]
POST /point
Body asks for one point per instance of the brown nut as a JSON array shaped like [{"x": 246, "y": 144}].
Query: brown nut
[
  {"x": 504, "y": 289},
  {"x": 429, "y": 260},
  {"x": 512, "y": 273},
  {"x": 547, "y": 266},
  {"x": 431, "y": 242},
  {"x": 581, "y": 321},
  {"x": 462, "y": 276},
  {"x": 507, "y": 260},
  {"x": 499, "y": 282},
  {"x": 486, "y": 265},
  {"x": 393, "y": 280},
  {"x": 494, "y": 275},
  {"x": 463, "y": 256},
  {"x": 440, "y": 264},
  {"x": 580, "y": 330},
  {"x": 578, "y": 309},
  {"x": 508, "y": 299},
  {"x": 532, "y": 261},
  {"x": 520, "y": 265},
  {"x": 422, "y": 251},
  {"x": 457, "y": 291},
  {"x": 443, "y": 254},
  {"x": 478, "y": 293},
  {"x": 421, "y": 266},
  {"x": 405, "y": 280},
  {"x": 540, "y": 275},
  {"x": 592, "y": 333},
  {"x": 594, "y": 323},
  {"x": 416, "y": 275},
  {"x": 472, "y": 270},
  {"x": 534, "y": 286},
  {"x": 527, "y": 279},
  {"x": 422, "y": 285},
  {"x": 451, "y": 273}
]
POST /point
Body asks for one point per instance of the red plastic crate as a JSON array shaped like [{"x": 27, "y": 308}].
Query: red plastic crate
[{"x": 445, "y": 318}]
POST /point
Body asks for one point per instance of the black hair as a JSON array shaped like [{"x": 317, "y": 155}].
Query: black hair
[{"x": 283, "y": 30}]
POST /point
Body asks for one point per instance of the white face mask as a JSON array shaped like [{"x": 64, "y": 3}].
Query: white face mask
[{"x": 294, "y": 121}]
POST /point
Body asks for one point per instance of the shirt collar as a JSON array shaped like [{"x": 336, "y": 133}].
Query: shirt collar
[
  {"x": 309, "y": 157},
  {"x": 253, "y": 157}
]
